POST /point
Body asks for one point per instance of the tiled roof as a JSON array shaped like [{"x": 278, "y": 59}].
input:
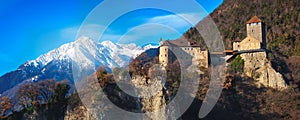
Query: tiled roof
[
  {"x": 237, "y": 40},
  {"x": 254, "y": 19}
]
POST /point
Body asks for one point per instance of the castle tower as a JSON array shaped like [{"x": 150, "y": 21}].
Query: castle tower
[
  {"x": 256, "y": 29},
  {"x": 163, "y": 55},
  {"x": 160, "y": 41}
]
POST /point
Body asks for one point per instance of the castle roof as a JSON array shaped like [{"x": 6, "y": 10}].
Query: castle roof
[
  {"x": 181, "y": 43},
  {"x": 237, "y": 40},
  {"x": 254, "y": 19}
]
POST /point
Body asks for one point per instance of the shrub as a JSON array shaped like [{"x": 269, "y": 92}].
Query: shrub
[{"x": 237, "y": 64}]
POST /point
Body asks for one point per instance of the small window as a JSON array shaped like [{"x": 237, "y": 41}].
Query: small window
[
  {"x": 252, "y": 30},
  {"x": 165, "y": 55},
  {"x": 191, "y": 48}
]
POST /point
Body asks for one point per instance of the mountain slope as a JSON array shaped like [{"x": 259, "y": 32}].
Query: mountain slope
[
  {"x": 57, "y": 64},
  {"x": 241, "y": 98},
  {"x": 282, "y": 20}
]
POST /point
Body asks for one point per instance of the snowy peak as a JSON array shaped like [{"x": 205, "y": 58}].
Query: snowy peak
[
  {"x": 109, "y": 44},
  {"x": 60, "y": 53},
  {"x": 59, "y": 63},
  {"x": 149, "y": 46},
  {"x": 105, "y": 53}
]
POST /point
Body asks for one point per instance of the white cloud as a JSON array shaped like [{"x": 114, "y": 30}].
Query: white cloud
[
  {"x": 168, "y": 26},
  {"x": 90, "y": 30},
  {"x": 178, "y": 21},
  {"x": 69, "y": 33},
  {"x": 149, "y": 33}
]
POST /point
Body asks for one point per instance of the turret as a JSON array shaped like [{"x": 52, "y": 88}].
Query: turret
[
  {"x": 160, "y": 41},
  {"x": 256, "y": 29}
]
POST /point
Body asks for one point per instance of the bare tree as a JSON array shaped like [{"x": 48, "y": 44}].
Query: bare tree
[
  {"x": 5, "y": 105},
  {"x": 46, "y": 90},
  {"x": 28, "y": 95}
]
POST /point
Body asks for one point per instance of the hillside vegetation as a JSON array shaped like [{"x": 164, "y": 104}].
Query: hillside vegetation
[
  {"x": 241, "y": 99},
  {"x": 282, "y": 18}
]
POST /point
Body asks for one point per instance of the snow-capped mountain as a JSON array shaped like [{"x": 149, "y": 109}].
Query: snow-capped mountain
[{"x": 58, "y": 63}]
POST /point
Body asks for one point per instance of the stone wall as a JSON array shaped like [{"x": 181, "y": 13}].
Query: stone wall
[
  {"x": 163, "y": 55},
  {"x": 258, "y": 31},
  {"x": 191, "y": 55},
  {"x": 249, "y": 43},
  {"x": 236, "y": 46},
  {"x": 255, "y": 30},
  {"x": 259, "y": 67}
]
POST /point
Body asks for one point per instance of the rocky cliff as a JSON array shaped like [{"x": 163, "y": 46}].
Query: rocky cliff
[
  {"x": 78, "y": 113},
  {"x": 147, "y": 97},
  {"x": 153, "y": 101},
  {"x": 257, "y": 66}
]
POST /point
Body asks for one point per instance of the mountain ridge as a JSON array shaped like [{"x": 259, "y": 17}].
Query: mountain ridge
[{"x": 57, "y": 63}]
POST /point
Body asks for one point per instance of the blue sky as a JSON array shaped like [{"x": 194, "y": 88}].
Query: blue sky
[{"x": 30, "y": 28}]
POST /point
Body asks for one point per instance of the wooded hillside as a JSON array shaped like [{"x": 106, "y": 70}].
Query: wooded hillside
[{"x": 282, "y": 19}]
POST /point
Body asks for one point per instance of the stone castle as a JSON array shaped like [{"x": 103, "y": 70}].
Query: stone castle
[
  {"x": 256, "y": 36},
  {"x": 187, "y": 51},
  {"x": 252, "y": 49}
]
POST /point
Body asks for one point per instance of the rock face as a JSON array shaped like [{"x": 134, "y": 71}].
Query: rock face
[
  {"x": 259, "y": 67},
  {"x": 153, "y": 102},
  {"x": 79, "y": 113}
]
